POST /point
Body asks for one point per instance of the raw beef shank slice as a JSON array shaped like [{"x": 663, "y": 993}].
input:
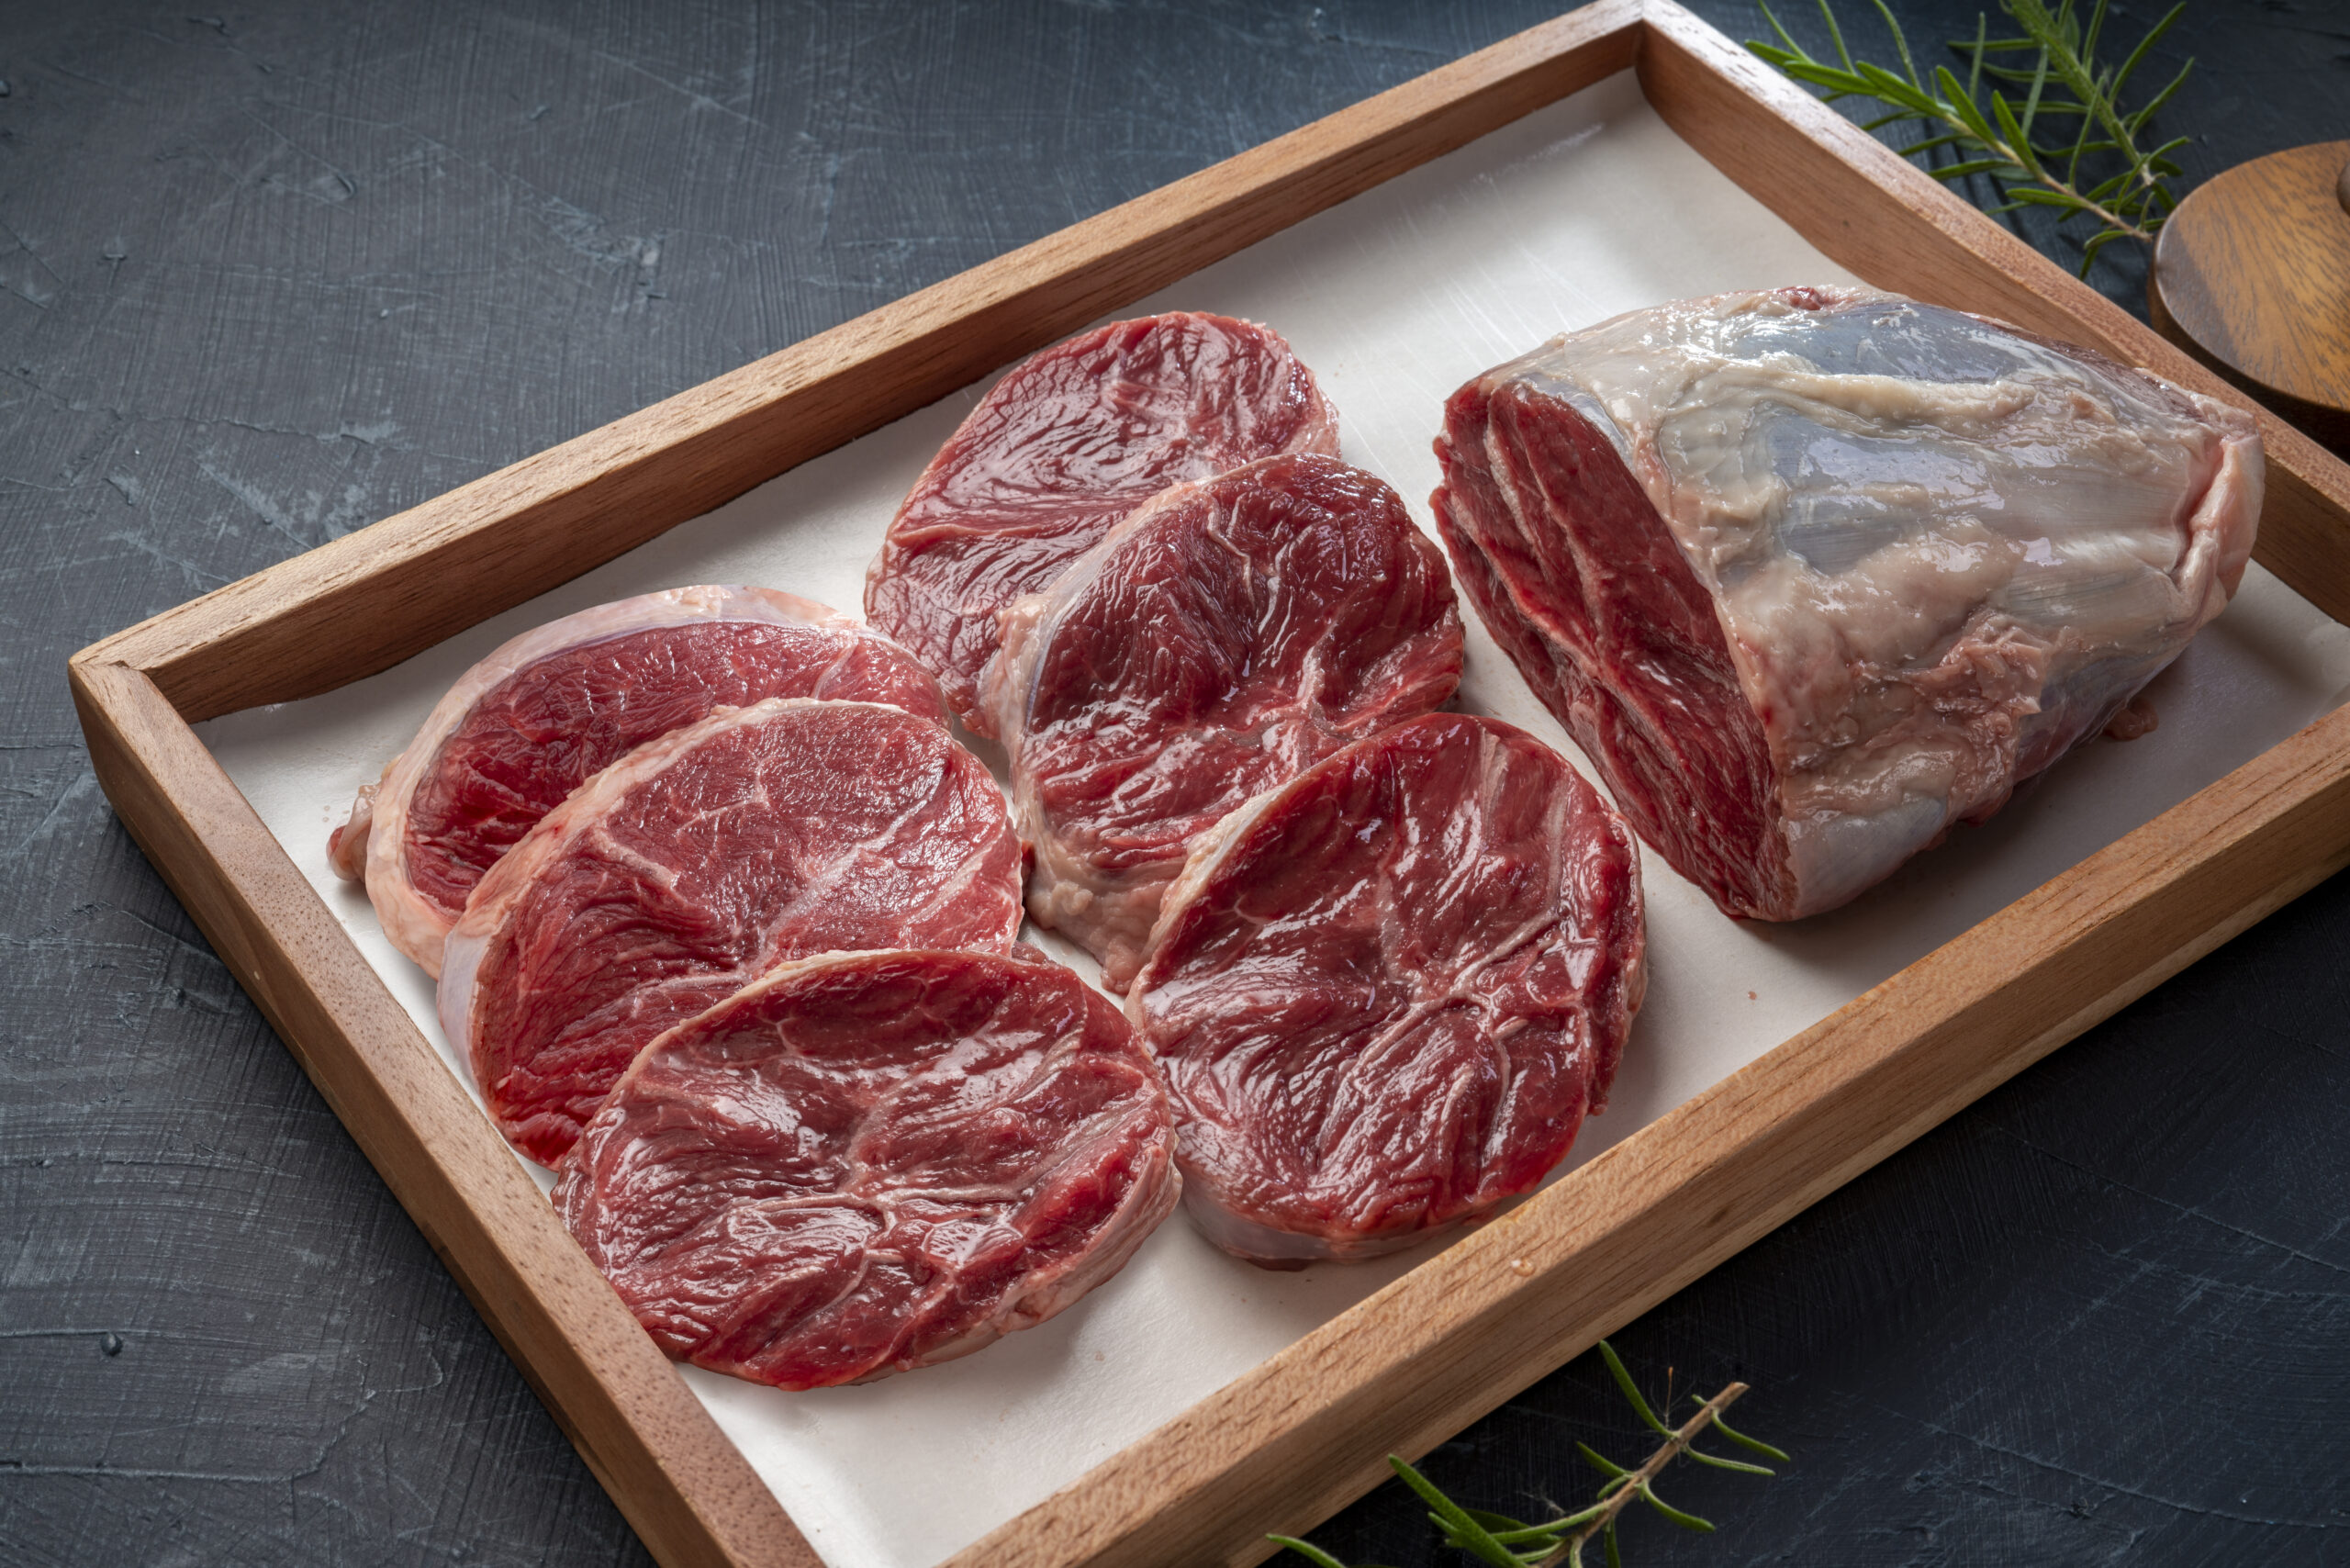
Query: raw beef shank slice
[
  {"x": 1067, "y": 443},
  {"x": 1225, "y": 636},
  {"x": 682, "y": 871},
  {"x": 1386, "y": 993},
  {"x": 527, "y": 725},
  {"x": 865, "y": 1163},
  {"x": 1813, "y": 575}
]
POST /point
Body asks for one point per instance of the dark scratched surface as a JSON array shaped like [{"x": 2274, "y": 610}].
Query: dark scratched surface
[{"x": 270, "y": 273}]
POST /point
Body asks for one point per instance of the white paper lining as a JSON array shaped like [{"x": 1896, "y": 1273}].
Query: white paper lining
[{"x": 1582, "y": 210}]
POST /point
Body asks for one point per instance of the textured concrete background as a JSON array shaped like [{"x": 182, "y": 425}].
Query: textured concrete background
[{"x": 269, "y": 275}]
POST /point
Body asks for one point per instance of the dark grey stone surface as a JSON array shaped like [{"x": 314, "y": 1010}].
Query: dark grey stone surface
[{"x": 268, "y": 274}]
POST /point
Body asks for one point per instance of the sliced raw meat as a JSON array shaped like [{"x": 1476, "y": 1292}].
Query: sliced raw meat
[
  {"x": 1061, "y": 448},
  {"x": 675, "y": 875},
  {"x": 527, "y": 725},
  {"x": 865, "y": 1163},
  {"x": 1386, "y": 993},
  {"x": 1813, "y": 575},
  {"x": 1226, "y": 635}
]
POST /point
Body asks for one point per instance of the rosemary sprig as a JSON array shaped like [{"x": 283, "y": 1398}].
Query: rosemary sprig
[
  {"x": 1505, "y": 1542},
  {"x": 2070, "y": 118}
]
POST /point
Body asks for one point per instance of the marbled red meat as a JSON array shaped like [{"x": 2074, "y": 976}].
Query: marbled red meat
[
  {"x": 865, "y": 1163},
  {"x": 679, "y": 873},
  {"x": 1226, "y": 635},
  {"x": 527, "y": 725},
  {"x": 1814, "y": 575},
  {"x": 1386, "y": 993},
  {"x": 1066, "y": 444}
]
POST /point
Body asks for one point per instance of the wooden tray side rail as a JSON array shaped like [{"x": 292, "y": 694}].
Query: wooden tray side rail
[
  {"x": 1305, "y": 1432},
  {"x": 686, "y": 1489},
  {"x": 1818, "y": 171},
  {"x": 374, "y": 598}
]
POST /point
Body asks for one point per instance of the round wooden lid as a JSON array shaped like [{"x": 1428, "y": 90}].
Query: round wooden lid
[{"x": 2252, "y": 276}]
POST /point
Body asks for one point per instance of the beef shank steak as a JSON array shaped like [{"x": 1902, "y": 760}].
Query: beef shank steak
[
  {"x": 1228, "y": 634},
  {"x": 1815, "y": 574},
  {"x": 1386, "y": 993},
  {"x": 677, "y": 874},
  {"x": 528, "y": 725},
  {"x": 863, "y": 1163},
  {"x": 1063, "y": 445}
]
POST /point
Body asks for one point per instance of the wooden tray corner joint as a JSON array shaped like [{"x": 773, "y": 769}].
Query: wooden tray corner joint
[{"x": 1305, "y": 1432}]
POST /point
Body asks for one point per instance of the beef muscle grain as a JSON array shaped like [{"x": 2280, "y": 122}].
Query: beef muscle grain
[
  {"x": 1386, "y": 993},
  {"x": 677, "y": 874},
  {"x": 1066, "y": 444},
  {"x": 864, "y": 1163},
  {"x": 527, "y": 725},
  {"x": 1813, "y": 575},
  {"x": 1228, "y": 634}
]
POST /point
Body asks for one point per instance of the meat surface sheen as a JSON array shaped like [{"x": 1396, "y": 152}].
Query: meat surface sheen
[
  {"x": 677, "y": 874},
  {"x": 527, "y": 725},
  {"x": 1066, "y": 444},
  {"x": 1386, "y": 993},
  {"x": 1225, "y": 636},
  {"x": 1813, "y": 575},
  {"x": 865, "y": 1163}
]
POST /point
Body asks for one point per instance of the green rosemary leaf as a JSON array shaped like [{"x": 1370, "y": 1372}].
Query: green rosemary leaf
[
  {"x": 1307, "y": 1550},
  {"x": 1466, "y": 1533},
  {"x": 1600, "y": 1462},
  {"x": 2137, "y": 122},
  {"x": 2121, "y": 72},
  {"x": 1900, "y": 43},
  {"x": 1631, "y": 1390},
  {"x": 1751, "y": 1445},
  {"x": 1894, "y": 90},
  {"x": 1615, "y": 1557},
  {"x": 1720, "y": 1464},
  {"x": 2040, "y": 196},
  {"x": 1498, "y": 1524},
  {"x": 2087, "y": 48},
  {"x": 1686, "y": 1522},
  {"x": 1963, "y": 108},
  {"x": 1971, "y": 166},
  {"x": 1836, "y": 34},
  {"x": 1786, "y": 39},
  {"x": 2012, "y": 132}
]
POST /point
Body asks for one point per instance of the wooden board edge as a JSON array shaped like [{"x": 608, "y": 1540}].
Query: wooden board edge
[
  {"x": 686, "y": 1489},
  {"x": 1306, "y": 1432},
  {"x": 1816, "y": 170},
  {"x": 195, "y": 664},
  {"x": 364, "y": 602}
]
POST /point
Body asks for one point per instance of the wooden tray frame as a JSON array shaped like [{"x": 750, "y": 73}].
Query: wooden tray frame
[{"x": 1305, "y": 1432}]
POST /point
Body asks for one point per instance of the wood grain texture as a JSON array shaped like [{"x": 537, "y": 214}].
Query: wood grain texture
[
  {"x": 685, "y": 1487},
  {"x": 2252, "y": 276},
  {"x": 271, "y": 274},
  {"x": 1454, "y": 1337},
  {"x": 289, "y": 631},
  {"x": 1457, "y": 1335},
  {"x": 1891, "y": 222}
]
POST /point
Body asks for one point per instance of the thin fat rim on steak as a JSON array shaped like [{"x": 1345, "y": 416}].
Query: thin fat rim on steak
[
  {"x": 696, "y": 862},
  {"x": 865, "y": 1163},
  {"x": 1069, "y": 441},
  {"x": 1225, "y": 636},
  {"x": 527, "y": 725},
  {"x": 1814, "y": 575},
  {"x": 1385, "y": 994}
]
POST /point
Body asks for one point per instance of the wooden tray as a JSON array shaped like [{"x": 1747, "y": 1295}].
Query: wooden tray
[{"x": 1306, "y": 1431}]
